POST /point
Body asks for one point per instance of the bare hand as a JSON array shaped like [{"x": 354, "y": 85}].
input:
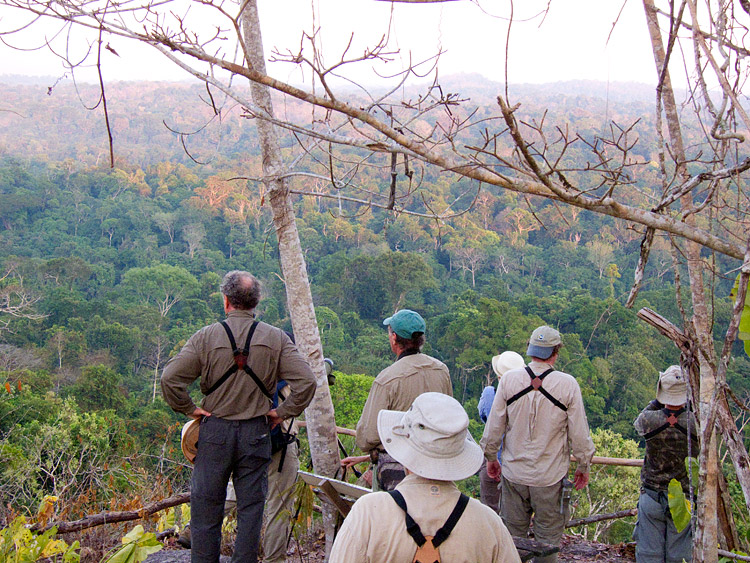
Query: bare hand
[
  {"x": 367, "y": 476},
  {"x": 580, "y": 479},
  {"x": 274, "y": 418},
  {"x": 354, "y": 460},
  {"x": 199, "y": 413},
  {"x": 494, "y": 469}
]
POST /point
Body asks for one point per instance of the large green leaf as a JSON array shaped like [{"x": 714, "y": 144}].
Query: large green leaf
[
  {"x": 679, "y": 506},
  {"x": 744, "y": 330}
]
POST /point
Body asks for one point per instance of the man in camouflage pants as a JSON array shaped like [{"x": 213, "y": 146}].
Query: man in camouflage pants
[{"x": 669, "y": 430}]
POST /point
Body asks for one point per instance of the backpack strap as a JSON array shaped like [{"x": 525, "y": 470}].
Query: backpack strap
[
  {"x": 536, "y": 385},
  {"x": 240, "y": 361}
]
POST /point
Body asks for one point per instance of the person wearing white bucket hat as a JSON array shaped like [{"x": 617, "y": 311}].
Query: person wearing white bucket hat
[
  {"x": 669, "y": 429},
  {"x": 431, "y": 440},
  {"x": 489, "y": 487}
]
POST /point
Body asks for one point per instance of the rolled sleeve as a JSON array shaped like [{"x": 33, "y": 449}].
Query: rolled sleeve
[{"x": 178, "y": 374}]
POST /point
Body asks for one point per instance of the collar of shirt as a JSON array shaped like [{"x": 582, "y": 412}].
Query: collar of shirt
[
  {"x": 241, "y": 313},
  {"x": 405, "y": 353}
]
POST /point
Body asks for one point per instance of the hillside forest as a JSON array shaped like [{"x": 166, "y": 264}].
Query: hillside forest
[{"x": 105, "y": 272}]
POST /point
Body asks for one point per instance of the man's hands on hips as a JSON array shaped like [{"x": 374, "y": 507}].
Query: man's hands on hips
[
  {"x": 274, "y": 418},
  {"x": 199, "y": 412},
  {"x": 580, "y": 479}
]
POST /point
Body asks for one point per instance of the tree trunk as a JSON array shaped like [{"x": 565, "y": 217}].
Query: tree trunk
[
  {"x": 321, "y": 425},
  {"x": 705, "y": 540}
]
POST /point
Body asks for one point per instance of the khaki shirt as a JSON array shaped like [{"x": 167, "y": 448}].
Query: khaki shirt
[
  {"x": 395, "y": 388},
  {"x": 536, "y": 450},
  {"x": 375, "y": 529},
  {"x": 208, "y": 355}
]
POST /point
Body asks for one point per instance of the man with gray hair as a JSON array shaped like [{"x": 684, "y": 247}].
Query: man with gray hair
[
  {"x": 539, "y": 418},
  {"x": 236, "y": 414}
]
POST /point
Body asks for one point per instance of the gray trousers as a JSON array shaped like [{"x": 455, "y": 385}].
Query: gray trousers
[
  {"x": 240, "y": 449},
  {"x": 521, "y": 501},
  {"x": 489, "y": 489},
  {"x": 656, "y": 538}
]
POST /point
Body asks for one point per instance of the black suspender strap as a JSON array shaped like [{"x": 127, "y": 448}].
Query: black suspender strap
[
  {"x": 671, "y": 421},
  {"x": 442, "y": 534},
  {"x": 240, "y": 361},
  {"x": 411, "y": 526},
  {"x": 536, "y": 384}
]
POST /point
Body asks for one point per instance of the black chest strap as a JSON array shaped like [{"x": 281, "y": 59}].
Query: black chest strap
[
  {"x": 670, "y": 422},
  {"x": 240, "y": 361},
  {"x": 442, "y": 534},
  {"x": 536, "y": 385}
]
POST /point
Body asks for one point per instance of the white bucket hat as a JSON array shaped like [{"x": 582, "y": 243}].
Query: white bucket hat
[
  {"x": 507, "y": 361},
  {"x": 431, "y": 439},
  {"x": 189, "y": 439},
  {"x": 672, "y": 387}
]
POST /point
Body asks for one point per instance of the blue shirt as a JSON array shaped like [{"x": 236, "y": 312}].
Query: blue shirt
[{"x": 485, "y": 406}]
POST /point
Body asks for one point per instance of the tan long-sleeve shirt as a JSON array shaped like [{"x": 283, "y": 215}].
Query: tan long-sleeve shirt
[
  {"x": 208, "y": 355},
  {"x": 395, "y": 388},
  {"x": 375, "y": 529},
  {"x": 538, "y": 436}
]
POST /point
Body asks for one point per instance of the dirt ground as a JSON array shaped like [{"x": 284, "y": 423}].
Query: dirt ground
[{"x": 573, "y": 550}]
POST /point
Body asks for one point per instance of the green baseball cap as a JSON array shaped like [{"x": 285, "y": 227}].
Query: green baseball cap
[{"x": 405, "y": 323}]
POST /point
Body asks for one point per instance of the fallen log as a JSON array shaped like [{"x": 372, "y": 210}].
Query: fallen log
[{"x": 114, "y": 517}]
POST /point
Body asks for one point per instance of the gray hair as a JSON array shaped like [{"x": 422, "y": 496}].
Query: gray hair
[{"x": 242, "y": 289}]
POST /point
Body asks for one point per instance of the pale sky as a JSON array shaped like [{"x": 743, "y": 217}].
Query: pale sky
[{"x": 572, "y": 42}]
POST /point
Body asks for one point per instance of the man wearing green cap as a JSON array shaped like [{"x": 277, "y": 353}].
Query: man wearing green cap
[{"x": 395, "y": 388}]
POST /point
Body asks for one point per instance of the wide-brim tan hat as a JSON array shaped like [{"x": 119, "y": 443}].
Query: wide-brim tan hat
[
  {"x": 503, "y": 363},
  {"x": 672, "y": 387},
  {"x": 189, "y": 439},
  {"x": 431, "y": 439}
]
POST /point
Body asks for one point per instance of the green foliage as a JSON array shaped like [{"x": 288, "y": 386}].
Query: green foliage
[
  {"x": 744, "y": 329},
  {"x": 18, "y": 544},
  {"x": 137, "y": 545},
  {"x": 349, "y": 395},
  {"x": 611, "y": 488}
]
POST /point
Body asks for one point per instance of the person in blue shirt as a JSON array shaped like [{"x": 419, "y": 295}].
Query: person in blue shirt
[{"x": 489, "y": 488}]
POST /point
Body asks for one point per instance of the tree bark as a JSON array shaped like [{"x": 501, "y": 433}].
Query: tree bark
[
  {"x": 705, "y": 538},
  {"x": 321, "y": 425}
]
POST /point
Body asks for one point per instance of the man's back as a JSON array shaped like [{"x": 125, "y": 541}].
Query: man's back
[
  {"x": 536, "y": 431},
  {"x": 208, "y": 355},
  {"x": 396, "y": 387},
  {"x": 375, "y": 530}
]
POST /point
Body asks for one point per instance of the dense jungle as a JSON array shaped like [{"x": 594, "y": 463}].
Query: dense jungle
[{"x": 105, "y": 272}]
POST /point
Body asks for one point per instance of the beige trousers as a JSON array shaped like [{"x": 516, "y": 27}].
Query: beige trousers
[{"x": 279, "y": 504}]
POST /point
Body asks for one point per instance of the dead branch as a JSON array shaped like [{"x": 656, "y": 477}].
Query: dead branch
[
  {"x": 114, "y": 517},
  {"x": 601, "y": 517}
]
